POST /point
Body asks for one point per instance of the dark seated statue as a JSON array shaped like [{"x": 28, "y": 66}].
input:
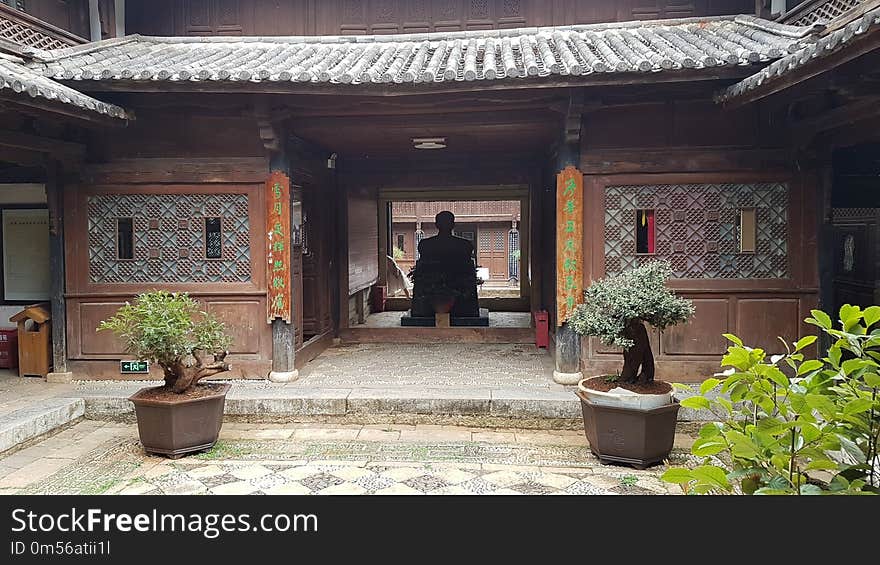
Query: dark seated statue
[{"x": 445, "y": 278}]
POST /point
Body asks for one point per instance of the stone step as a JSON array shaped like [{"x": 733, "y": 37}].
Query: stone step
[
  {"x": 280, "y": 401},
  {"x": 38, "y": 419}
]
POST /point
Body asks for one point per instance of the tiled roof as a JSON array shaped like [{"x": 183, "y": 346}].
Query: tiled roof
[
  {"x": 26, "y": 82},
  {"x": 633, "y": 47},
  {"x": 825, "y": 46}
]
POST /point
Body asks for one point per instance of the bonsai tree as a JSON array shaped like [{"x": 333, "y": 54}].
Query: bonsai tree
[
  {"x": 616, "y": 308},
  {"x": 169, "y": 329}
]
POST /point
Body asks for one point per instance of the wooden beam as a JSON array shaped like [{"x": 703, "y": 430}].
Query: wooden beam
[
  {"x": 839, "y": 117},
  {"x": 47, "y": 145},
  {"x": 182, "y": 170}
]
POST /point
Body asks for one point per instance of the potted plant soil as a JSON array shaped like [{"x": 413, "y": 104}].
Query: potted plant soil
[
  {"x": 183, "y": 415},
  {"x": 630, "y": 417}
]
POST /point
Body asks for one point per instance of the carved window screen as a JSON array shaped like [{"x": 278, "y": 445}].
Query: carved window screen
[
  {"x": 697, "y": 229},
  {"x": 170, "y": 240}
]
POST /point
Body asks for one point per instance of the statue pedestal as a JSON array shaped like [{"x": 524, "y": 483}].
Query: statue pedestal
[{"x": 482, "y": 320}]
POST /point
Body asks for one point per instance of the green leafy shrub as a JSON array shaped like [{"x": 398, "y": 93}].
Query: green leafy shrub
[
  {"x": 615, "y": 310},
  {"x": 169, "y": 329},
  {"x": 813, "y": 432}
]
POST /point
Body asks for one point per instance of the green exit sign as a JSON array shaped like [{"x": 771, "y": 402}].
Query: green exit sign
[{"x": 134, "y": 367}]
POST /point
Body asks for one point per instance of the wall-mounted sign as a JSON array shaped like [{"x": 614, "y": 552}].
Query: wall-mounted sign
[
  {"x": 134, "y": 367},
  {"x": 278, "y": 240},
  {"x": 569, "y": 242}
]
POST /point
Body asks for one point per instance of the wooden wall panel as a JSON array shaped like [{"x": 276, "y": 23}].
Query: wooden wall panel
[
  {"x": 359, "y": 17},
  {"x": 363, "y": 239},
  {"x": 760, "y": 321},
  {"x": 70, "y": 15},
  {"x": 244, "y": 321},
  {"x": 702, "y": 334},
  {"x": 90, "y": 315}
]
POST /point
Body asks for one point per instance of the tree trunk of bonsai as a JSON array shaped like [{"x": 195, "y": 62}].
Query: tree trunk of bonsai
[
  {"x": 181, "y": 377},
  {"x": 639, "y": 355}
]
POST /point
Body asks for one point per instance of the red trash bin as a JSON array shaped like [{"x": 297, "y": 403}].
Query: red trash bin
[
  {"x": 542, "y": 328},
  {"x": 378, "y": 295},
  {"x": 8, "y": 348}
]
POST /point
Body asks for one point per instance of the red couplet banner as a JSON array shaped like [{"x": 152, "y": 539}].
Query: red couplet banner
[
  {"x": 569, "y": 242},
  {"x": 278, "y": 246}
]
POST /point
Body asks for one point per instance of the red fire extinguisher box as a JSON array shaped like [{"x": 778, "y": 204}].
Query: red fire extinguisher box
[
  {"x": 542, "y": 328},
  {"x": 8, "y": 348}
]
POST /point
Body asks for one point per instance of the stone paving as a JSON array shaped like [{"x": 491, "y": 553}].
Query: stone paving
[
  {"x": 439, "y": 365},
  {"x": 496, "y": 320},
  {"x": 95, "y": 457}
]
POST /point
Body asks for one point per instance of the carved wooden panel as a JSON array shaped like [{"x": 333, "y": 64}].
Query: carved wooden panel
[
  {"x": 169, "y": 238},
  {"x": 697, "y": 229}
]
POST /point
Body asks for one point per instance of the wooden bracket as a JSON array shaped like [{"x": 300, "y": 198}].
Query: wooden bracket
[
  {"x": 573, "y": 117},
  {"x": 267, "y": 127}
]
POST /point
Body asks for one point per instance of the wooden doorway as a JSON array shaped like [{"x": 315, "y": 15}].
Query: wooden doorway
[{"x": 492, "y": 251}]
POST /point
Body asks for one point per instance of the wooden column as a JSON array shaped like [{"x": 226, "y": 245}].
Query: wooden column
[
  {"x": 55, "y": 201},
  {"x": 283, "y": 333},
  {"x": 568, "y": 343},
  {"x": 825, "y": 243}
]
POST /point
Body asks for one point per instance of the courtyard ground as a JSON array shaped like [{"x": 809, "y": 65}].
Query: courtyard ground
[
  {"x": 362, "y": 418},
  {"x": 94, "y": 457}
]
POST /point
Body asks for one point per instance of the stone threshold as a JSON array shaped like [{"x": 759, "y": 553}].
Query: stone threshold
[{"x": 23, "y": 427}]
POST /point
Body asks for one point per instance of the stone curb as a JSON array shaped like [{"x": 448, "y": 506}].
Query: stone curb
[
  {"x": 39, "y": 419},
  {"x": 279, "y": 402}
]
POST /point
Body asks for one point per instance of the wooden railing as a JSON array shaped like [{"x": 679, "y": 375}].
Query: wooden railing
[{"x": 425, "y": 211}]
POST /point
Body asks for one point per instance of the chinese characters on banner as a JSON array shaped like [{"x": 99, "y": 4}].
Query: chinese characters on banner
[
  {"x": 569, "y": 242},
  {"x": 278, "y": 250}
]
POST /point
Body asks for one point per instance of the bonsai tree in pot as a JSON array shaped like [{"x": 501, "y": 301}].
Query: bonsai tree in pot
[
  {"x": 171, "y": 331},
  {"x": 615, "y": 310}
]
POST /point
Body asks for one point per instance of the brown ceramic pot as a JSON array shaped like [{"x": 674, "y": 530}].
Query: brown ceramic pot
[
  {"x": 640, "y": 438},
  {"x": 177, "y": 427}
]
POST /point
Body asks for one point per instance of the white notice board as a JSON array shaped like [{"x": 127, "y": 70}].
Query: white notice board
[{"x": 26, "y": 254}]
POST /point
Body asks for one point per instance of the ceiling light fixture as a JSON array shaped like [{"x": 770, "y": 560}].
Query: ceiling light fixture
[{"x": 429, "y": 142}]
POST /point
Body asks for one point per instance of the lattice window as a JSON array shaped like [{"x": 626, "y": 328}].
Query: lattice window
[
  {"x": 825, "y": 12},
  {"x": 23, "y": 35},
  {"x": 513, "y": 254},
  {"x": 697, "y": 229},
  {"x": 170, "y": 241}
]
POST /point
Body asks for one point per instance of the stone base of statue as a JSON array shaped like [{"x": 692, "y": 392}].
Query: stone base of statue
[{"x": 480, "y": 320}]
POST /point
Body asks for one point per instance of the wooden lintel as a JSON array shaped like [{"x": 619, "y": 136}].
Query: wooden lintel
[{"x": 182, "y": 170}]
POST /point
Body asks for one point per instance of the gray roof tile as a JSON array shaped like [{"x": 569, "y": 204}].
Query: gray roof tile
[
  {"x": 636, "y": 47},
  {"x": 27, "y": 82},
  {"x": 823, "y": 47}
]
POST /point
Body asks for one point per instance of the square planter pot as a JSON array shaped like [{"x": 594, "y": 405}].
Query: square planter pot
[
  {"x": 175, "y": 428},
  {"x": 640, "y": 438}
]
